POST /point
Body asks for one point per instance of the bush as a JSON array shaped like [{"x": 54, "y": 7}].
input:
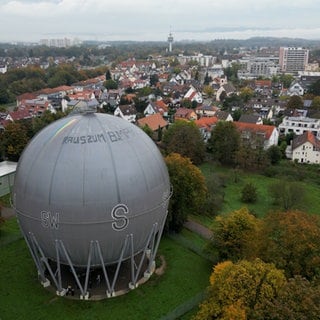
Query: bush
[{"x": 249, "y": 193}]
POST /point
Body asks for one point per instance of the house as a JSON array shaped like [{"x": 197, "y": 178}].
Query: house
[
  {"x": 157, "y": 106},
  {"x": 298, "y": 125},
  {"x": 295, "y": 89},
  {"x": 20, "y": 114},
  {"x": 206, "y": 110},
  {"x": 185, "y": 114},
  {"x": 127, "y": 112},
  {"x": 227, "y": 88},
  {"x": 251, "y": 118},
  {"x": 223, "y": 115},
  {"x": 7, "y": 173},
  {"x": 254, "y": 133},
  {"x": 81, "y": 104},
  {"x": 205, "y": 125},
  {"x": 305, "y": 148},
  {"x": 153, "y": 121},
  {"x": 193, "y": 95}
]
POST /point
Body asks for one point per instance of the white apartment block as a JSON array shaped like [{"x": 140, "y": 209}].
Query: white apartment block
[
  {"x": 299, "y": 125},
  {"x": 59, "y": 43},
  {"x": 254, "y": 67},
  {"x": 203, "y": 60},
  {"x": 292, "y": 59}
]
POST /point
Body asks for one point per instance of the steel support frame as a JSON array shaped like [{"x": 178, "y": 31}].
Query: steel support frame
[{"x": 149, "y": 251}]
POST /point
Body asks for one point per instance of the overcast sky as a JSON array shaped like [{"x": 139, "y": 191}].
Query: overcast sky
[{"x": 144, "y": 20}]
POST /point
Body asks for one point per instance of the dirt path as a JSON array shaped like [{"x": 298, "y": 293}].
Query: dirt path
[{"x": 199, "y": 229}]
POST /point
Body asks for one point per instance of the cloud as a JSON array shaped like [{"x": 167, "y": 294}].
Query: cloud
[{"x": 132, "y": 20}]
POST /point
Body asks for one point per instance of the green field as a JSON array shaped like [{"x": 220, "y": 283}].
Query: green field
[
  {"x": 309, "y": 178},
  {"x": 22, "y": 296}
]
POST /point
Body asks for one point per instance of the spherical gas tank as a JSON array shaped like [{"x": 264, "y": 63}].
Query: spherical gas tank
[{"x": 91, "y": 177}]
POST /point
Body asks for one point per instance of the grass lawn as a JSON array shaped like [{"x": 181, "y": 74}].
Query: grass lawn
[
  {"x": 264, "y": 203},
  {"x": 22, "y": 296}
]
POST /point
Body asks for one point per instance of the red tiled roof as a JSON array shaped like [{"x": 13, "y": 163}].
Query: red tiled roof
[
  {"x": 183, "y": 112},
  {"x": 263, "y": 83},
  {"x": 153, "y": 121},
  {"x": 258, "y": 128},
  {"x": 161, "y": 105},
  {"x": 307, "y": 136},
  {"x": 20, "y": 114},
  {"x": 206, "y": 122},
  {"x": 27, "y": 95}
]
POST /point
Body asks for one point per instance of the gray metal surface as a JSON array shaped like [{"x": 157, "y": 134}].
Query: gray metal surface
[{"x": 90, "y": 177}]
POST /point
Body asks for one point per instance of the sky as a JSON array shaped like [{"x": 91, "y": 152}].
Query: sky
[{"x": 151, "y": 20}]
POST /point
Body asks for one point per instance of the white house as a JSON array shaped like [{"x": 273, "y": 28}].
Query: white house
[
  {"x": 157, "y": 106},
  {"x": 295, "y": 89},
  {"x": 306, "y": 148},
  {"x": 126, "y": 112},
  {"x": 7, "y": 173},
  {"x": 299, "y": 125},
  {"x": 193, "y": 95}
]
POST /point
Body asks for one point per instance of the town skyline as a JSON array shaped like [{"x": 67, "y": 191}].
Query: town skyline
[{"x": 151, "y": 21}]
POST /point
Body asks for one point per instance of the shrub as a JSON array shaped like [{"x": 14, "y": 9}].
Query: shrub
[{"x": 249, "y": 193}]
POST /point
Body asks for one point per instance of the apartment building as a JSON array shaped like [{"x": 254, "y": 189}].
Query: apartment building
[
  {"x": 299, "y": 125},
  {"x": 292, "y": 59}
]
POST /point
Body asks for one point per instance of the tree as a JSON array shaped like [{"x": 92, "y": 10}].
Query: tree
[
  {"x": 14, "y": 140},
  {"x": 232, "y": 101},
  {"x": 246, "y": 94},
  {"x": 215, "y": 195},
  {"x": 251, "y": 154},
  {"x": 185, "y": 138},
  {"x": 298, "y": 299},
  {"x": 295, "y": 102},
  {"x": 316, "y": 103},
  {"x": 154, "y": 79},
  {"x": 110, "y": 84},
  {"x": 314, "y": 88},
  {"x": 274, "y": 154},
  {"x": 291, "y": 240},
  {"x": 208, "y": 90},
  {"x": 108, "y": 75},
  {"x": 147, "y": 130},
  {"x": 189, "y": 190},
  {"x": 207, "y": 79},
  {"x": 186, "y": 103},
  {"x": 235, "y": 234},
  {"x": 4, "y": 96},
  {"x": 224, "y": 142},
  {"x": 286, "y": 80},
  {"x": 237, "y": 289},
  {"x": 249, "y": 193},
  {"x": 287, "y": 194}
]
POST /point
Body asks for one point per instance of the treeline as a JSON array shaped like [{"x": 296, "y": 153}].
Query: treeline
[
  {"x": 33, "y": 78},
  {"x": 269, "y": 268}
]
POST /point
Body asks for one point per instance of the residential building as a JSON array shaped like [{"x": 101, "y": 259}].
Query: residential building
[
  {"x": 157, "y": 106},
  {"x": 7, "y": 172},
  {"x": 293, "y": 59},
  {"x": 3, "y": 68},
  {"x": 206, "y": 125},
  {"x": 299, "y": 125},
  {"x": 126, "y": 112},
  {"x": 295, "y": 89},
  {"x": 258, "y": 133},
  {"x": 305, "y": 148},
  {"x": 205, "y": 110},
  {"x": 251, "y": 118},
  {"x": 155, "y": 122},
  {"x": 254, "y": 67},
  {"x": 185, "y": 114}
]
